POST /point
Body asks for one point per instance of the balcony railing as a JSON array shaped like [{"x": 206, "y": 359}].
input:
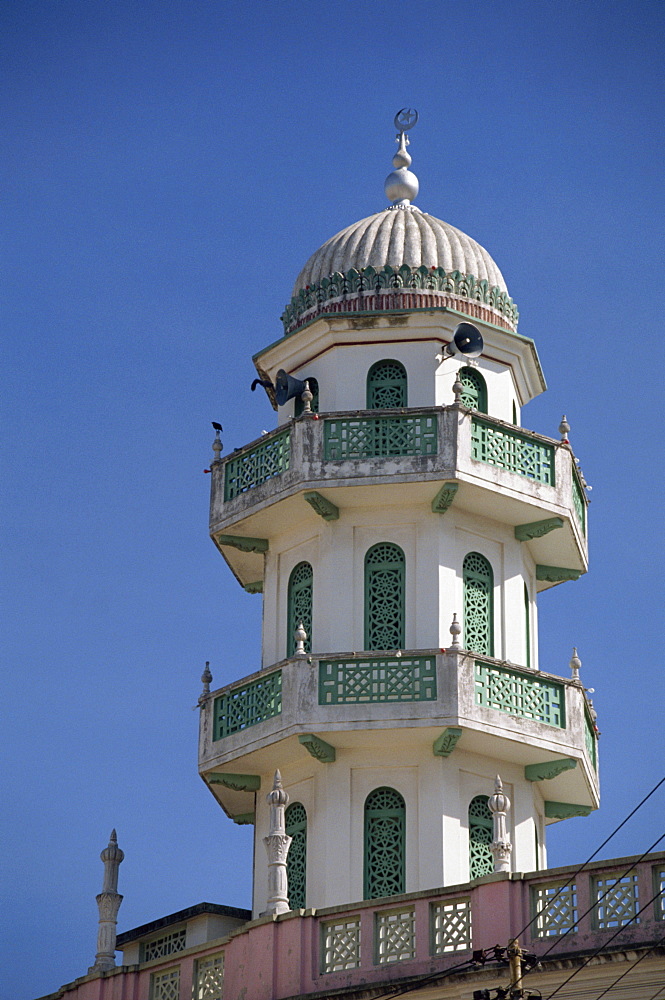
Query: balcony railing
[
  {"x": 380, "y": 437},
  {"x": 249, "y": 468},
  {"x": 374, "y": 680},
  {"x": 247, "y": 705},
  {"x": 510, "y": 450},
  {"x": 519, "y": 694}
]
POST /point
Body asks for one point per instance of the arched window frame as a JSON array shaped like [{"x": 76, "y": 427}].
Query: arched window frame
[
  {"x": 474, "y": 391},
  {"x": 481, "y": 861},
  {"x": 385, "y": 596},
  {"x": 478, "y": 604},
  {"x": 295, "y": 821},
  {"x": 300, "y": 598},
  {"x": 387, "y": 387},
  {"x": 384, "y": 843},
  {"x": 314, "y": 389}
]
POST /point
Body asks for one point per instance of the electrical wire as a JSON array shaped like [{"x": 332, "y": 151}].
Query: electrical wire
[
  {"x": 591, "y": 857},
  {"x": 604, "y": 945},
  {"x": 631, "y": 967},
  {"x": 423, "y": 982}
]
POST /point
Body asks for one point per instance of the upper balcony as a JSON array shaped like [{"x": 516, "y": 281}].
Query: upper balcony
[{"x": 437, "y": 456}]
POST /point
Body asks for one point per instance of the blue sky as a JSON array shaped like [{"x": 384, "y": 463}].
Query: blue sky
[{"x": 168, "y": 168}]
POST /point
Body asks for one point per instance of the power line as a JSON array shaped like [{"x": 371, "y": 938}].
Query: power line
[
  {"x": 631, "y": 967},
  {"x": 591, "y": 857}
]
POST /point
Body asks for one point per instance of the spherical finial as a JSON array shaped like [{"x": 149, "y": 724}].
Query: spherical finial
[
  {"x": 112, "y": 852},
  {"x": 401, "y": 185},
  {"x": 277, "y": 797},
  {"x": 564, "y": 429},
  {"x": 499, "y": 802},
  {"x": 575, "y": 664},
  {"x": 455, "y": 631},
  {"x": 300, "y": 637}
]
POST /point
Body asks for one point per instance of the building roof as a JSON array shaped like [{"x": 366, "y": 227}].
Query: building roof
[{"x": 176, "y": 918}]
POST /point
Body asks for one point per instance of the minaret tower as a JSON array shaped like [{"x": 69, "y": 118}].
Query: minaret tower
[{"x": 399, "y": 523}]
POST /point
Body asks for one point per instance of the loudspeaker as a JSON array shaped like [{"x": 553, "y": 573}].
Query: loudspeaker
[
  {"x": 286, "y": 387},
  {"x": 467, "y": 342}
]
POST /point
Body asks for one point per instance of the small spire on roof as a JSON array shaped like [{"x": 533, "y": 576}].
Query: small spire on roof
[{"x": 401, "y": 185}]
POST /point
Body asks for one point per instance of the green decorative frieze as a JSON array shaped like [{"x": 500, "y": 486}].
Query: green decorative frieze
[
  {"x": 243, "y": 543},
  {"x": 444, "y": 498},
  {"x": 564, "y": 810},
  {"x": 318, "y": 748},
  {"x": 536, "y": 529},
  {"x": 322, "y": 506},
  {"x": 254, "y": 588},
  {"x": 404, "y": 288},
  {"x": 236, "y": 782},
  {"x": 444, "y": 744},
  {"x": 244, "y": 819},
  {"x": 557, "y": 574},
  {"x": 549, "y": 769}
]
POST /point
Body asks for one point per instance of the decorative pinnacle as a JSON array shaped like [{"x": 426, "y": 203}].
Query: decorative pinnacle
[
  {"x": 564, "y": 429},
  {"x": 277, "y": 797},
  {"x": 307, "y": 396},
  {"x": 455, "y": 631},
  {"x": 112, "y": 852},
  {"x": 300, "y": 636},
  {"x": 401, "y": 185},
  {"x": 458, "y": 389},
  {"x": 217, "y": 443},
  {"x": 575, "y": 664},
  {"x": 206, "y": 678}
]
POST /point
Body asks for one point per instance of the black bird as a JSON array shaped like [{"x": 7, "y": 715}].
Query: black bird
[
  {"x": 218, "y": 427},
  {"x": 265, "y": 382}
]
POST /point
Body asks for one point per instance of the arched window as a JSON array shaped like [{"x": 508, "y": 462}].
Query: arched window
[
  {"x": 295, "y": 819},
  {"x": 474, "y": 393},
  {"x": 527, "y": 624},
  {"x": 384, "y": 597},
  {"x": 478, "y": 604},
  {"x": 385, "y": 840},
  {"x": 481, "y": 861},
  {"x": 386, "y": 386},
  {"x": 300, "y": 605},
  {"x": 314, "y": 389}
]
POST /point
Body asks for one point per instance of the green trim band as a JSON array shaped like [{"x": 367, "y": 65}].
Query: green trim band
[
  {"x": 557, "y": 574},
  {"x": 361, "y": 288},
  {"x": 244, "y": 819}
]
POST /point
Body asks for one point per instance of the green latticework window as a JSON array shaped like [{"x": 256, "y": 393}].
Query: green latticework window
[
  {"x": 341, "y": 944},
  {"x": 247, "y": 705},
  {"x": 386, "y": 386},
  {"x": 209, "y": 981},
  {"x": 380, "y": 437},
  {"x": 314, "y": 389},
  {"x": 251, "y": 468},
  {"x": 388, "y": 678},
  {"x": 481, "y": 861},
  {"x": 450, "y": 926},
  {"x": 295, "y": 819},
  {"x": 527, "y": 625},
  {"x": 555, "y": 909},
  {"x": 512, "y": 451},
  {"x": 385, "y": 838},
  {"x": 478, "y": 604},
  {"x": 300, "y": 605},
  {"x": 474, "y": 390},
  {"x": 384, "y": 597},
  {"x": 165, "y": 985},
  {"x": 167, "y": 944}
]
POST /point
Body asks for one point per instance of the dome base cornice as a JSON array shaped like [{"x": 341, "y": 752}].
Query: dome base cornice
[{"x": 398, "y": 290}]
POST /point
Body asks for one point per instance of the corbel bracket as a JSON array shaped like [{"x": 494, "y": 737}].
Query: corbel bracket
[
  {"x": 318, "y": 748},
  {"x": 536, "y": 529},
  {"x": 548, "y": 769},
  {"x": 564, "y": 810},
  {"x": 243, "y": 543},
  {"x": 444, "y": 744},
  {"x": 557, "y": 574},
  {"x": 236, "y": 782},
  {"x": 444, "y": 498},
  {"x": 322, "y": 506}
]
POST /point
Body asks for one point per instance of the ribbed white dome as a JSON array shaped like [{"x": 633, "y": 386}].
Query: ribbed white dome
[{"x": 400, "y": 236}]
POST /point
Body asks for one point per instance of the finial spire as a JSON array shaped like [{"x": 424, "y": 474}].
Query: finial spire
[
  {"x": 277, "y": 845},
  {"x": 401, "y": 185},
  {"x": 108, "y": 903}
]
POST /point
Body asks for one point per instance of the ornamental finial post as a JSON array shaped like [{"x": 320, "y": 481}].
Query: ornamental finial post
[
  {"x": 307, "y": 396},
  {"x": 206, "y": 678},
  {"x": 217, "y": 443},
  {"x": 499, "y": 806},
  {"x": 455, "y": 631},
  {"x": 564, "y": 429},
  {"x": 300, "y": 636},
  {"x": 277, "y": 847},
  {"x": 401, "y": 185},
  {"x": 575, "y": 664},
  {"x": 458, "y": 389},
  {"x": 108, "y": 904}
]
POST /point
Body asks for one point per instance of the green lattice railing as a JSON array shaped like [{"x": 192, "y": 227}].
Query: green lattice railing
[
  {"x": 617, "y": 901},
  {"x": 517, "y": 694},
  {"x": 590, "y": 741},
  {"x": 384, "y": 679},
  {"x": 247, "y": 705},
  {"x": 380, "y": 437},
  {"x": 554, "y": 909},
  {"x": 512, "y": 451},
  {"x": 579, "y": 503},
  {"x": 249, "y": 469}
]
